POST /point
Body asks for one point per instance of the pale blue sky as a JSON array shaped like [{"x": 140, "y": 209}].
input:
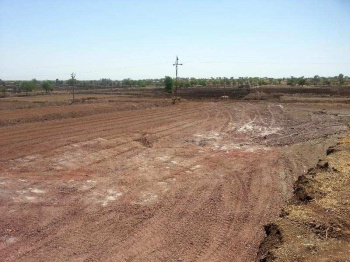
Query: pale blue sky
[{"x": 140, "y": 39}]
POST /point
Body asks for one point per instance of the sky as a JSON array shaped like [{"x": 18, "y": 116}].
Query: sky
[{"x": 141, "y": 39}]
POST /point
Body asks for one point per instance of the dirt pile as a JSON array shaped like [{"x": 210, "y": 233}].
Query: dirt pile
[{"x": 315, "y": 225}]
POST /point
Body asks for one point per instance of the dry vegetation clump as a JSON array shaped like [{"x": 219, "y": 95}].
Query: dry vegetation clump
[
  {"x": 145, "y": 140},
  {"x": 315, "y": 225}
]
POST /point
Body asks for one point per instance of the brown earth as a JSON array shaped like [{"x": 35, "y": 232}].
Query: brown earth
[
  {"x": 195, "y": 181},
  {"x": 14, "y": 110},
  {"x": 315, "y": 225}
]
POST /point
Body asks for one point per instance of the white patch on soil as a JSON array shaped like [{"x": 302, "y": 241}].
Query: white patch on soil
[
  {"x": 22, "y": 191},
  {"x": 246, "y": 128},
  {"x": 112, "y": 196},
  {"x": 270, "y": 131},
  {"x": 212, "y": 138},
  {"x": 258, "y": 130},
  {"x": 9, "y": 240},
  {"x": 164, "y": 185},
  {"x": 163, "y": 158},
  {"x": 28, "y": 158},
  {"x": 30, "y": 198},
  {"x": 149, "y": 197},
  {"x": 37, "y": 191},
  {"x": 195, "y": 167},
  {"x": 255, "y": 148}
]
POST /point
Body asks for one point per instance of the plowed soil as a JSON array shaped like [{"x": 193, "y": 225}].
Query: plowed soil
[{"x": 191, "y": 182}]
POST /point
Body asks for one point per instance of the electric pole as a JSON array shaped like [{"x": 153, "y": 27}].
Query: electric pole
[{"x": 176, "y": 65}]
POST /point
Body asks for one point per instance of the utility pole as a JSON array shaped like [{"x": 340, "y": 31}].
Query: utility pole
[
  {"x": 176, "y": 65},
  {"x": 73, "y": 83}
]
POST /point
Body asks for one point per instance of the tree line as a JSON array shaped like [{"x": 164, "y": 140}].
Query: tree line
[{"x": 240, "y": 82}]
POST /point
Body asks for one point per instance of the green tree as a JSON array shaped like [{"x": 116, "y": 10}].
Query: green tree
[
  {"x": 341, "y": 79},
  {"x": 327, "y": 82},
  {"x": 168, "y": 81},
  {"x": 47, "y": 86},
  {"x": 233, "y": 82},
  {"x": 72, "y": 81},
  {"x": 127, "y": 82},
  {"x": 301, "y": 81},
  {"x": 316, "y": 79},
  {"x": 240, "y": 82},
  {"x": 35, "y": 81},
  {"x": 106, "y": 81},
  {"x": 291, "y": 81},
  {"x": 202, "y": 82},
  {"x": 193, "y": 81},
  {"x": 141, "y": 83},
  {"x": 28, "y": 86},
  {"x": 3, "y": 91},
  {"x": 261, "y": 82},
  {"x": 214, "y": 81}
]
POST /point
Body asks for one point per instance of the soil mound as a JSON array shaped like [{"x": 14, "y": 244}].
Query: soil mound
[{"x": 315, "y": 225}]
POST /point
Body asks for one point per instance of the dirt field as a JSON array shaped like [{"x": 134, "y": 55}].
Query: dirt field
[{"x": 117, "y": 178}]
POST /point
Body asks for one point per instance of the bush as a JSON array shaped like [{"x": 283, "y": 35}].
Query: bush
[
  {"x": 168, "y": 81},
  {"x": 28, "y": 86},
  {"x": 301, "y": 81},
  {"x": 47, "y": 86},
  {"x": 3, "y": 91}
]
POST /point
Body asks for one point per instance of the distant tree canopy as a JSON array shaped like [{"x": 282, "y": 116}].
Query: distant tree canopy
[
  {"x": 240, "y": 82},
  {"x": 59, "y": 82},
  {"x": 301, "y": 81},
  {"x": 127, "y": 82},
  {"x": 316, "y": 79},
  {"x": 72, "y": 81},
  {"x": 141, "y": 83},
  {"x": 185, "y": 82},
  {"x": 47, "y": 86},
  {"x": 341, "y": 79},
  {"x": 106, "y": 81},
  {"x": 168, "y": 81},
  {"x": 28, "y": 86},
  {"x": 327, "y": 82},
  {"x": 3, "y": 91}
]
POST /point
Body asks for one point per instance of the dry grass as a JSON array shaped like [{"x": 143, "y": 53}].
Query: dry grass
[{"x": 317, "y": 230}]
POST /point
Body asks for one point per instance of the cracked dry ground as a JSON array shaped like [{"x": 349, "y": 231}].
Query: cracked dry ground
[{"x": 192, "y": 182}]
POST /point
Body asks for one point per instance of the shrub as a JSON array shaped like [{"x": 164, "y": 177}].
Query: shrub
[{"x": 168, "y": 81}]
